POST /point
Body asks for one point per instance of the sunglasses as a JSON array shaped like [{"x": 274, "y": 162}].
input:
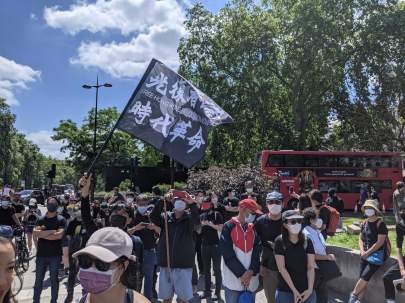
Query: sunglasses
[
  {"x": 318, "y": 206},
  {"x": 86, "y": 262},
  {"x": 295, "y": 221}
]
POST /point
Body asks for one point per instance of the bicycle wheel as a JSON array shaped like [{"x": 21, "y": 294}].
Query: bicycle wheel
[{"x": 25, "y": 261}]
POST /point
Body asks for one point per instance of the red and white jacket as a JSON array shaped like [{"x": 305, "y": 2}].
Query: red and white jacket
[{"x": 240, "y": 249}]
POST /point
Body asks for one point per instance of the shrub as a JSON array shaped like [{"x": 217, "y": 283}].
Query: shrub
[{"x": 219, "y": 179}]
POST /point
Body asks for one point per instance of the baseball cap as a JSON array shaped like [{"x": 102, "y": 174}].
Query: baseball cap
[
  {"x": 6, "y": 231},
  {"x": 32, "y": 202},
  {"x": 251, "y": 205},
  {"x": 291, "y": 214},
  {"x": 108, "y": 244},
  {"x": 274, "y": 195}
]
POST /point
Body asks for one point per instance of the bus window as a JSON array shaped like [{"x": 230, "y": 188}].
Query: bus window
[
  {"x": 344, "y": 162},
  {"x": 293, "y": 161},
  {"x": 325, "y": 185},
  {"x": 327, "y": 161},
  {"x": 344, "y": 187},
  {"x": 311, "y": 161},
  {"x": 275, "y": 161}
]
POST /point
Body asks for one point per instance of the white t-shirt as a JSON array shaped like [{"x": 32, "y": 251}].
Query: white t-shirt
[{"x": 317, "y": 240}]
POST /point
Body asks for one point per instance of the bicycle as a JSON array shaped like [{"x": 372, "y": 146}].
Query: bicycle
[{"x": 23, "y": 257}]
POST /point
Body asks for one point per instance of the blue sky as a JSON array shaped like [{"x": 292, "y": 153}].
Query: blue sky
[{"x": 49, "y": 49}]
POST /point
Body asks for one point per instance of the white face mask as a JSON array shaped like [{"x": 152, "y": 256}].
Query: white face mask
[
  {"x": 130, "y": 200},
  {"x": 250, "y": 218},
  {"x": 274, "y": 209},
  {"x": 369, "y": 212},
  {"x": 249, "y": 190},
  {"x": 319, "y": 223},
  {"x": 179, "y": 205},
  {"x": 295, "y": 229}
]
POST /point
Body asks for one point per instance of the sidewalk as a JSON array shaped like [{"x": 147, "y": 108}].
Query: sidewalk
[{"x": 27, "y": 293}]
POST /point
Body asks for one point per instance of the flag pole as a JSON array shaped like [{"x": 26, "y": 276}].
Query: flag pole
[
  {"x": 172, "y": 163},
  {"x": 167, "y": 240},
  {"x": 138, "y": 87}
]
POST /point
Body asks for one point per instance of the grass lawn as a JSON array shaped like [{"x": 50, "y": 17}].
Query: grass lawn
[{"x": 351, "y": 241}]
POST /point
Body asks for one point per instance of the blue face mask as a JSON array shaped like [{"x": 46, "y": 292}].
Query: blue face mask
[{"x": 142, "y": 209}]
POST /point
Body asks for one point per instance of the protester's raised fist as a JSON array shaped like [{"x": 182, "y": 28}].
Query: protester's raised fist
[{"x": 84, "y": 185}]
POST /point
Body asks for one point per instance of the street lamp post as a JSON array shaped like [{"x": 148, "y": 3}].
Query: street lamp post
[{"x": 97, "y": 86}]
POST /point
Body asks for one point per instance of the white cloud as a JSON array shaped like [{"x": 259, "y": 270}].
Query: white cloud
[
  {"x": 47, "y": 146},
  {"x": 13, "y": 77},
  {"x": 129, "y": 59},
  {"x": 128, "y": 16},
  {"x": 153, "y": 28}
]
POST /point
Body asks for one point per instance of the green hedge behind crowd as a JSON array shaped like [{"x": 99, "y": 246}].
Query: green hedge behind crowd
[{"x": 351, "y": 241}]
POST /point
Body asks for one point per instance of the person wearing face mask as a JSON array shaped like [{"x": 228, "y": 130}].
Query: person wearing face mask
[
  {"x": 180, "y": 226},
  {"x": 76, "y": 234},
  {"x": 119, "y": 217},
  {"x": 212, "y": 223},
  {"x": 295, "y": 258},
  {"x": 31, "y": 216},
  {"x": 396, "y": 271},
  {"x": 372, "y": 245},
  {"x": 240, "y": 248},
  {"x": 230, "y": 203},
  {"x": 129, "y": 197},
  {"x": 268, "y": 228},
  {"x": 323, "y": 212},
  {"x": 18, "y": 205},
  {"x": 64, "y": 212},
  {"x": 312, "y": 225},
  {"x": 7, "y": 214},
  {"x": 49, "y": 231},
  {"x": 104, "y": 268},
  {"x": 148, "y": 233}
]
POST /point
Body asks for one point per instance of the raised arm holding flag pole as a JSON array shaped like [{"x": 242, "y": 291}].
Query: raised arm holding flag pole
[{"x": 175, "y": 117}]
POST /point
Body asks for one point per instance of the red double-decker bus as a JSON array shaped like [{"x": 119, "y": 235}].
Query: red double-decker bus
[{"x": 347, "y": 172}]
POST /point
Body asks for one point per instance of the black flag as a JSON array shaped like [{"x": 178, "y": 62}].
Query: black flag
[{"x": 168, "y": 112}]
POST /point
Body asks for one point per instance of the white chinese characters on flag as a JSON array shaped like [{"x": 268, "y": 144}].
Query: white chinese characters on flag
[{"x": 171, "y": 114}]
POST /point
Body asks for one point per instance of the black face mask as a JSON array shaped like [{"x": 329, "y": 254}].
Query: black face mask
[{"x": 118, "y": 221}]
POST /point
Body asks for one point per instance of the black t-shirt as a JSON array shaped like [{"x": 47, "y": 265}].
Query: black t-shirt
[
  {"x": 19, "y": 208},
  {"x": 234, "y": 202},
  {"x": 50, "y": 248},
  {"x": 400, "y": 230},
  {"x": 75, "y": 228},
  {"x": 209, "y": 235},
  {"x": 6, "y": 216},
  {"x": 147, "y": 236},
  {"x": 324, "y": 214},
  {"x": 296, "y": 263},
  {"x": 370, "y": 232},
  {"x": 336, "y": 203},
  {"x": 268, "y": 230},
  {"x": 32, "y": 218}
]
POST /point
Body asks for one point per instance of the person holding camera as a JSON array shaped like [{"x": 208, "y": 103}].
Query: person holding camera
[
  {"x": 148, "y": 232},
  {"x": 30, "y": 219},
  {"x": 176, "y": 277}
]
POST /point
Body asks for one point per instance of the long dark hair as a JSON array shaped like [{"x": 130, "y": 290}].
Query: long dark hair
[{"x": 11, "y": 296}]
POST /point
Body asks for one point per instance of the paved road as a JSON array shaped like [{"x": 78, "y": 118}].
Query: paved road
[{"x": 26, "y": 294}]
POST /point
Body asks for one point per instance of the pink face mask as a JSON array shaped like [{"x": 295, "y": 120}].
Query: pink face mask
[{"x": 95, "y": 281}]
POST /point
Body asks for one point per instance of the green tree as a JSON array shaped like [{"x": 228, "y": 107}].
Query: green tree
[{"x": 281, "y": 68}]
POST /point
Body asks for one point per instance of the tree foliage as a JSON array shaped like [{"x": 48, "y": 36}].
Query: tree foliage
[
  {"x": 21, "y": 160},
  {"x": 281, "y": 69}
]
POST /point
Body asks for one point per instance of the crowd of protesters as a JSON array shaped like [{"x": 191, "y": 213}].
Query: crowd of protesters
[{"x": 161, "y": 244}]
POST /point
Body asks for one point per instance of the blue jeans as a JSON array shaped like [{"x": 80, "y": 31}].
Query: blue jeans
[
  {"x": 232, "y": 296},
  {"x": 288, "y": 297},
  {"x": 42, "y": 264},
  {"x": 149, "y": 262}
]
